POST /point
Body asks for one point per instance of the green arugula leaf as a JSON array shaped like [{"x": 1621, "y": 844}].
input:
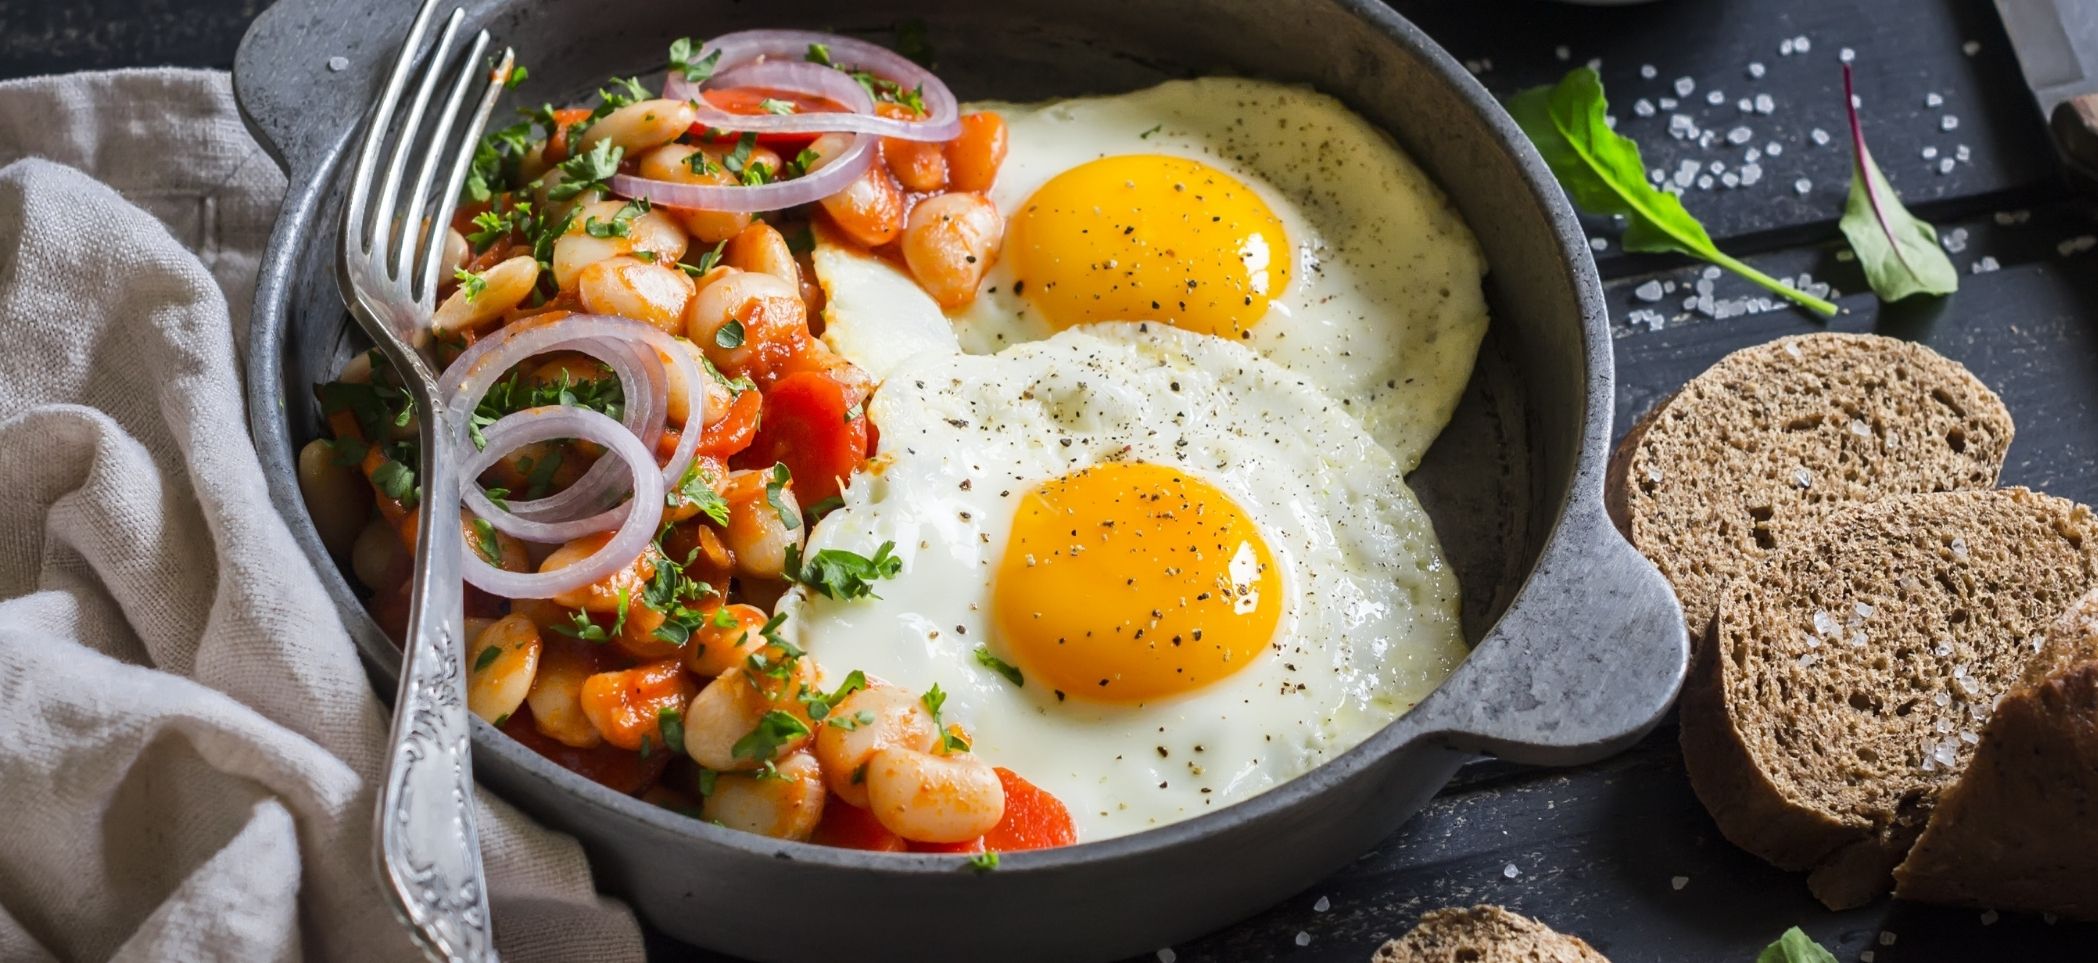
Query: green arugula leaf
[
  {"x": 1795, "y": 947},
  {"x": 837, "y": 573},
  {"x": 1899, "y": 252},
  {"x": 1010, "y": 671},
  {"x": 775, "y": 484},
  {"x": 1603, "y": 173}
]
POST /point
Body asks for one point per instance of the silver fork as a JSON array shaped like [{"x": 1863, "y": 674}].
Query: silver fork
[{"x": 391, "y": 251}]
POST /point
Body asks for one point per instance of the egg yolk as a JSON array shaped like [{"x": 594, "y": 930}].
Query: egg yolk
[
  {"x": 1127, "y": 582},
  {"x": 1147, "y": 237}
]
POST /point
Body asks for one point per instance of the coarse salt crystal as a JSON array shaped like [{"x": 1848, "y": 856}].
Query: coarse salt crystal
[
  {"x": 1989, "y": 917},
  {"x": 1562, "y": 53},
  {"x": 1751, "y": 173},
  {"x": 1859, "y": 428},
  {"x": 1167, "y": 955},
  {"x": 1792, "y": 348},
  {"x": 1961, "y": 153},
  {"x": 1643, "y": 107},
  {"x": 1704, "y": 182},
  {"x": 1730, "y": 179},
  {"x": 1325, "y": 904},
  {"x": 1765, "y": 104},
  {"x": 1599, "y": 243},
  {"x": 2008, "y": 218},
  {"x": 1942, "y": 699},
  {"x": 1802, "y": 44},
  {"x": 1710, "y": 273},
  {"x": 1648, "y": 72},
  {"x": 1969, "y": 736},
  {"x": 338, "y": 64},
  {"x": 1930, "y": 153},
  {"x": 1803, "y": 478},
  {"x": 1864, "y": 610},
  {"x": 1773, "y": 148},
  {"x": 1745, "y": 105},
  {"x": 1784, "y": 48},
  {"x": 1943, "y": 726},
  {"x": 1945, "y": 166},
  {"x": 1716, "y": 166},
  {"x": 1985, "y": 265},
  {"x": 1667, "y": 103},
  {"x": 1807, "y": 660},
  {"x": 1715, "y": 97},
  {"x": 1755, "y": 68},
  {"x": 1933, "y": 100},
  {"x": 1303, "y": 938},
  {"x": 1819, "y": 136},
  {"x": 1846, "y": 55},
  {"x": 2076, "y": 245},
  {"x": 1510, "y": 871},
  {"x": 1678, "y": 882},
  {"x": 1858, "y": 638},
  {"x": 1971, "y": 47},
  {"x": 1949, "y": 122},
  {"x": 1959, "y": 547},
  {"x": 1955, "y": 240},
  {"x": 1865, "y": 957},
  {"x": 1684, "y": 85},
  {"x": 1649, "y": 292},
  {"x": 1739, "y": 136},
  {"x": 1752, "y": 155}
]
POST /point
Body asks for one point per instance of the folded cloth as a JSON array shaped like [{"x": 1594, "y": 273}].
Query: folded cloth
[{"x": 188, "y": 744}]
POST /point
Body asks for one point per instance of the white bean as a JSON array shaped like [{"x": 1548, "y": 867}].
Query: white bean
[
  {"x": 863, "y": 724},
  {"x": 785, "y": 805},
  {"x": 636, "y": 289},
  {"x": 929, "y": 798},
  {"x": 738, "y": 296},
  {"x": 949, "y": 242},
  {"x": 497, "y": 684},
  {"x": 336, "y": 496},
  {"x": 640, "y": 126},
  {"x": 502, "y": 287}
]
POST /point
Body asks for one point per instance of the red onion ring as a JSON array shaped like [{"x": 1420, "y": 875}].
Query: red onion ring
[
  {"x": 640, "y": 353},
  {"x": 942, "y": 121},
  {"x": 827, "y": 176},
  {"x": 644, "y": 512}
]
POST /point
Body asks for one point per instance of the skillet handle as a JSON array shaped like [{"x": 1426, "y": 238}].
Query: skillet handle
[
  {"x": 1585, "y": 662},
  {"x": 305, "y": 71}
]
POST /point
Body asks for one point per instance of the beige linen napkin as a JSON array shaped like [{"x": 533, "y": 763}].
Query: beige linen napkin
[{"x": 187, "y": 740}]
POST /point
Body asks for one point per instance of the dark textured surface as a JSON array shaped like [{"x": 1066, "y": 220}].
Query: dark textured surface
[{"x": 1597, "y": 850}]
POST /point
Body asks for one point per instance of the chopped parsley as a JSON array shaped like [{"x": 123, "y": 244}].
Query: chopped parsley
[
  {"x": 671, "y": 724},
  {"x": 516, "y": 76},
  {"x": 582, "y": 626},
  {"x": 800, "y": 163},
  {"x": 739, "y": 157},
  {"x": 1146, "y": 135},
  {"x": 950, "y": 740},
  {"x": 1010, "y": 671},
  {"x": 510, "y": 395},
  {"x": 685, "y": 60},
  {"x": 395, "y": 481},
  {"x": 773, "y": 105},
  {"x": 707, "y": 260},
  {"x": 495, "y": 160},
  {"x": 622, "y": 222},
  {"x": 470, "y": 283},
  {"x": 490, "y": 548},
  {"x": 697, "y": 488},
  {"x": 776, "y": 482},
  {"x": 985, "y": 861},
  {"x": 487, "y": 657},
  {"x": 587, "y": 171},
  {"x": 729, "y": 335},
  {"x": 820, "y": 704},
  {"x": 667, "y": 591},
  {"x": 837, "y": 573},
  {"x": 773, "y": 732}
]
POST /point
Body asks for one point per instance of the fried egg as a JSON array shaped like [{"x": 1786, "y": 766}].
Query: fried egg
[
  {"x": 1207, "y": 577},
  {"x": 1249, "y": 210}
]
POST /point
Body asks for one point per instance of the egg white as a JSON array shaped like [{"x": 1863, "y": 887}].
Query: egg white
[
  {"x": 1370, "y": 623},
  {"x": 1384, "y": 310}
]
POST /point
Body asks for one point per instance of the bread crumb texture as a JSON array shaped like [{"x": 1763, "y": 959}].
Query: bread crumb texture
[
  {"x": 1775, "y": 436},
  {"x": 1484, "y": 934},
  {"x": 2019, "y": 829},
  {"x": 1849, "y": 673}
]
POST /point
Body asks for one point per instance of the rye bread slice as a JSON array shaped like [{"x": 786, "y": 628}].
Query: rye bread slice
[
  {"x": 2019, "y": 830},
  {"x": 1777, "y": 435},
  {"x": 1822, "y": 716},
  {"x": 1485, "y": 934}
]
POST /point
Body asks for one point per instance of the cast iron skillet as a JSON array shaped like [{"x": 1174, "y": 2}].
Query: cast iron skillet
[{"x": 1579, "y": 644}]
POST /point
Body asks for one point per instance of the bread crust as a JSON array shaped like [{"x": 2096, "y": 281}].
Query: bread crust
[
  {"x": 2019, "y": 830},
  {"x": 1826, "y": 754},
  {"x": 1773, "y": 437}
]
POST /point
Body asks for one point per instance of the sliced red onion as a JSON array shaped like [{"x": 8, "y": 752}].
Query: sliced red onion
[
  {"x": 637, "y": 352},
  {"x": 789, "y": 48},
  {"x": 641, "y": 515}
]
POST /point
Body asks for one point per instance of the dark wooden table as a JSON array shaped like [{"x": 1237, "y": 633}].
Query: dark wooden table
[{"x": 1621, "y": 852}]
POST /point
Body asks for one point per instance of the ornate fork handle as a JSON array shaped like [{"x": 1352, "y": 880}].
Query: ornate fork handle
[{"x": 431, "y": 853}]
